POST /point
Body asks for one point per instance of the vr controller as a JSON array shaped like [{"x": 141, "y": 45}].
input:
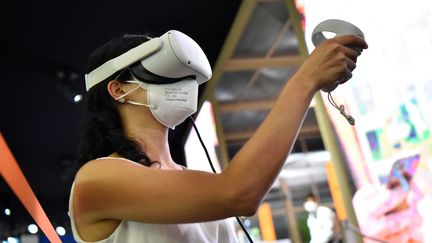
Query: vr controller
[{"x": 339, "y": 27}]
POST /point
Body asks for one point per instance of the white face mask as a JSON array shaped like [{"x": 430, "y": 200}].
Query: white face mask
[
  {"x": 310, "y": 206},
  {"x": 170, "y": 104}
]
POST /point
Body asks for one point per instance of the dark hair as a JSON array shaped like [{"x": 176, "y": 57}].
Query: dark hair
[
  {"x": 311, "y": 196},
  {"x": 104, "y": 134}
]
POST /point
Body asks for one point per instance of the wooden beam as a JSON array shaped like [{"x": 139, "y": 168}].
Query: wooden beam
[
  {"x": 240, "y": 22},
  {"x": 225, "y": 107},
  {"x": 239, "y": 135},
  {"x": 298, "y": 29},
  {"x": 269, "y": 53},
  {"x": 245, "y": 105},
  {"x": 220, "y": 133},
  {"x": 268, "y": 1},
  {"x": 293, "y": 228},
  {"x": 305, "y": 132},
  {"x": 239, "y": 64}
]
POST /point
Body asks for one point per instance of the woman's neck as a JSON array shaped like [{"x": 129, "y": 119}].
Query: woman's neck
[
  {"x": 154, "y": 142},
  {"x": 152, "y": 137}
]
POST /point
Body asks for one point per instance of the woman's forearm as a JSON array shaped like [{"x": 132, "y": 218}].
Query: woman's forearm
[{"x": 255, "y": 167}]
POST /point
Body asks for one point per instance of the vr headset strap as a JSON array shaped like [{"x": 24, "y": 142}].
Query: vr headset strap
[{"x": 112, "y": 66}]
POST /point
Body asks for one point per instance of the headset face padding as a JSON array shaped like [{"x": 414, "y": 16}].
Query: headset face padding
[
  {"x": 180, "y": 57},
  {"x": 142, "y": 74}
]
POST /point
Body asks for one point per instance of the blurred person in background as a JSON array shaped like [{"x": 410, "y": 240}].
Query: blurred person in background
[{"x": 321, "y": 221}]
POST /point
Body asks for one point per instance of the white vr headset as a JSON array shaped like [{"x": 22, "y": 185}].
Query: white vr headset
[{"x": 161, "y": 60}]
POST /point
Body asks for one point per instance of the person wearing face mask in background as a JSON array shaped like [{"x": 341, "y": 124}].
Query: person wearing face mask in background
[
  {"x": 321, "y": 221},
  {"x": 129, "y": 189}
]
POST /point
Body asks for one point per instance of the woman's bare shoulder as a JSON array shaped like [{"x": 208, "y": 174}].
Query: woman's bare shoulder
[{"x": 102, "y": 167}]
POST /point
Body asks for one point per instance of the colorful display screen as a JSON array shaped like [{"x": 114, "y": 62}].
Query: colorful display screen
[
  {"x": 390, "y": 92},
  {"x": 390, "y": 96}
]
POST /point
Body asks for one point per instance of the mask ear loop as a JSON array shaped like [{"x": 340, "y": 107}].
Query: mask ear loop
[
  {"x": 141, "y": 104},
  {"x": 341, "y": 109},
  {"x": 122, "y": 100}
]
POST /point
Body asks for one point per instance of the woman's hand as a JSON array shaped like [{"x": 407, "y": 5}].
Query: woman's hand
[{"x": 332, "y": 61}]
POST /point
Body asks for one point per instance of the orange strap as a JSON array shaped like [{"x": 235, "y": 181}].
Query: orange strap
[
  {"x": 266, "y": 222},
  {"x": 336, "y": 192},
  {"x": 14, "y": 177}
]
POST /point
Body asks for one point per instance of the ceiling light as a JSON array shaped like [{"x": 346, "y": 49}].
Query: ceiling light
[
  {"x": 7, "y": 211},
  {"x": 60, "y": 230},
  {"x": 12, "y": 240},
  {"x": 32, "y": 228},
  {"x": 67, "y": 83},
  {"x": 78, "y": 98}
]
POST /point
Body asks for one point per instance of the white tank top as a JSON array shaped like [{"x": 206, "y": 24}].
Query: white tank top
[{"x": 221, "y": 231}]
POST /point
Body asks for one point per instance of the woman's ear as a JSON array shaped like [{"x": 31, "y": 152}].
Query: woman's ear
[{"x": 114, "y": 88}]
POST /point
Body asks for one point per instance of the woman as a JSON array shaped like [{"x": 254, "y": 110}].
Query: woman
[{"x": 129, "y": 189}]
